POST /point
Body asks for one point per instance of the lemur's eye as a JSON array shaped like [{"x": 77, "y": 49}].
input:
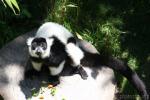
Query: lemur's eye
[
  {"x": 34, "y": 45},
  {"x": 43, "y": 44}
]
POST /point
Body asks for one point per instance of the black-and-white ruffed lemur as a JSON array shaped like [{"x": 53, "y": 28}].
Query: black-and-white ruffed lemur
[{"x": 54, "y": 46}]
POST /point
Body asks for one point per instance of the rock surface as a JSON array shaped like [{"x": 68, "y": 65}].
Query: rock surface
[{"x": 14, "y": 62}]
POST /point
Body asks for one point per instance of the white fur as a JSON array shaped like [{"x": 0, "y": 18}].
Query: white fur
[
  {"x": 29, "y": 41},
  {"x": 50, "y": 29},
  {"x": 37, "y": 66},
  {"x": 75, "y": 53},
  {"x": 57, "y": 70}
]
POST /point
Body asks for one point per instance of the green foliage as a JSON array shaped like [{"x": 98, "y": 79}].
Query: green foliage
[
  {"x": 13, "y": 5},
  {"x": 34, "y": 92},
  {"x": 105, "y": 37},
  {"x": 59, "y": 11},
  {"x": 12, "y": 25}
]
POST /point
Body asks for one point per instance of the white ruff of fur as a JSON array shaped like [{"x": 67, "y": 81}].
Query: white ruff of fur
[
  {"x": 57, "y": 70},
  {"x": 75, "y": 53},
  {"x": 29, "y": 41},
  {"x": 50, "y": 29}
]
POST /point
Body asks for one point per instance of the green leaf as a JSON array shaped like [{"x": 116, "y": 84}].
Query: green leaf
[
  {"x": 71, "y": 5},
  {"x": 4, "y": 3},
  {"x": 12, "y": 4}
]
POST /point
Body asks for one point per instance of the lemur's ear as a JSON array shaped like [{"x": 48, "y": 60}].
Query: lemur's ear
[{"x": 29, "y": 41}]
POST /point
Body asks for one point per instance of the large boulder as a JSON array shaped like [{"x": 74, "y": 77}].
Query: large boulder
[{"x": 14, "y": 85}]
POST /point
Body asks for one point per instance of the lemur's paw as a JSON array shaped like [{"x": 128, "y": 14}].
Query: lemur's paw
[{"x": 83, "y": 73}]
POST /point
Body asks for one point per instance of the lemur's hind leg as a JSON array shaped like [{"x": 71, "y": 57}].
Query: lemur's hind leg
[{"x": 76, "y": 54}]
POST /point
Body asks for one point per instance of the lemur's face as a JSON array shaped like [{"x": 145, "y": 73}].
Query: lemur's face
[{"x": 39, "y": 47}]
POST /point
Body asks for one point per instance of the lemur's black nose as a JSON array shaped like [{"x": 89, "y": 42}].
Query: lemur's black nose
[{"x": 38, "y": 53}]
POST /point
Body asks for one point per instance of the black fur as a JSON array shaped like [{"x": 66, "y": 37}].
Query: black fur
[
  {"x": 72, "y": 40},
  {"x": 57, "y": 53}
]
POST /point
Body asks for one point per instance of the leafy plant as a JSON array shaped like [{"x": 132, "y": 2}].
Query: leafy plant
[{"x": 13, "y": 5}]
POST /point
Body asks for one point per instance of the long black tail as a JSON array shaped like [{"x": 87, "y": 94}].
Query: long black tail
[
  {"x": 118, "y": 66},
  {"x": 131, "y": 75}
]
